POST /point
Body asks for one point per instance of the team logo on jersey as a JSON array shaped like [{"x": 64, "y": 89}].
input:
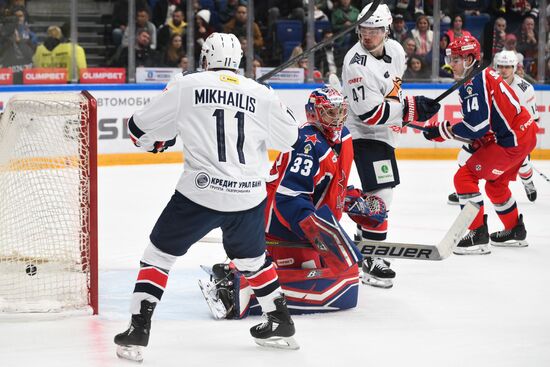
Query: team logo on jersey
[
  {"x": 307, "y": 148},
  {"x": 478, "y": 167},
  {"x": 469, "y": 89},
  {"x": 312, "y": 138},
  {"x": 202, "y": 180},
  {"x": 396, "y": 93},
  {"x": 523, "y": 85},
  {"x": 358, "y": 59},
  {"x": 229, "y": 79}
]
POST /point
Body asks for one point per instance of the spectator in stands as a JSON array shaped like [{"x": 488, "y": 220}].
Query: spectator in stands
[
  {"x": 23, "y": 28},
  {"x": 344, "y": 15},
  {"x": 416, "y": 69},
  {"x": 457, "y": 28},
  {"x": 409, "y": 45},
  {"x": 521, "y": 72},
  {"x": 163, "y": 10},
  {"x": 203, "y": 29},
  {"x": 142, "y": 22},
  {"x": 120, "y": 18},
  {"x": 237, "y": 26},
  {"x": 172, "y": 54},
  {"x": 244, "y": 46},
  {"x": 227, "y": 10},
  {"x": 499, "y": 35},
  {"x": 257, "y": 63},
  {"x": 528, "y": 44},
  {"x": 63, "y": 55},
  {"x": 184, "y": 63},
  {"x": 281, "y": 9},
  {"x": 445, "y": 70},
  {"x": 404, "y": 8},
  {"x": 15, "y": 52},
  {"x": 324, "y": 58},
  {"x": 422, "y": 35},
  {"x": 145, "y": 56},
  {"x": 317, "y": 77},
  {"x": 398, "y": 29},
  {"x": 43, "y": 56},
  {"x": 516, "y": 10},
  {"x": 510, "y": 44},
  {"x": 176, "y": 24}
]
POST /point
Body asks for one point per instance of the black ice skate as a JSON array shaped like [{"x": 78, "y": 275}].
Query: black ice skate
[
  {"x": 377, "y": 273},
  {"x": 137, "y": 336},
  {"x": 452, "y": 199},
  {"x": 530, "y": 190},
  {"x": 475, "y": 242},
  {"x": 514, "y": 237},
  {"x": 277, "y": 330}
]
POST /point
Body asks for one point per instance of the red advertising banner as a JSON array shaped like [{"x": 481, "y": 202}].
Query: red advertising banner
[
  {"x": 6, "y": 76},
  {"x": 103, "y": 75},
  {"x": 45, "y": 76}
]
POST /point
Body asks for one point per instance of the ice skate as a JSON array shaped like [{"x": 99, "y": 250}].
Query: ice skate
[
  {"x": 475, "y": 242},
  {"x": 453, "y": 199},
  {"x": 219, "y": 291},
  {"x": 530, "y": 190},
  {"x": 277, "y": 330},
  {"x": 130, "y": 342},
  {"x": 377, "y": 273},
  {"x": 514, "y": 237}
]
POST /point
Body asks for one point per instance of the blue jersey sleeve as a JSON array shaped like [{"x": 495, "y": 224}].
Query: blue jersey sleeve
[{"x": 475, "y": 109}]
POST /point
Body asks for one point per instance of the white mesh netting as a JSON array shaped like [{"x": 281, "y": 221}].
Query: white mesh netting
[{"x": 44, "y": 203}]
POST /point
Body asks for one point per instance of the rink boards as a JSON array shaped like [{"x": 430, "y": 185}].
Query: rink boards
[{"x": 117, "y": 102}]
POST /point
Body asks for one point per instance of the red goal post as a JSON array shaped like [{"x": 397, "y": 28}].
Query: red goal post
[{"x": 48, "y": 203}]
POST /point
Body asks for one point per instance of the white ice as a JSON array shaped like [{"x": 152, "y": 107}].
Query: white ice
[{"x": 464, "y": 311}]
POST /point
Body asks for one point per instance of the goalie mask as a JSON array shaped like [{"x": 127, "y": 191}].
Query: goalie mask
[
  {"x": 221, "y": 51},
  {"x": 327, "y": 109}
]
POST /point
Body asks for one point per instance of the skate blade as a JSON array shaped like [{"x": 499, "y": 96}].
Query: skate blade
[
  {"x": 215, "y": 305},
  {"x": 472, "y": 250},
  {"x": 376, "y": 282},
  {"x": 130, "y": 352},
  {"x": 278, "y": 342},
  {"x": 522, "y": 243}
]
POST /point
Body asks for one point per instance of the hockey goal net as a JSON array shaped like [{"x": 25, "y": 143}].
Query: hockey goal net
[{"x": 48, "y": 203}]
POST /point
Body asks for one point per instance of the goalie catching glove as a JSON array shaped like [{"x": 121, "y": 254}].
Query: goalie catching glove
[
  {"x": 365, "y": 210},
  {"x": 419, "y": 108},
  {"x": 438, "y": 131}
]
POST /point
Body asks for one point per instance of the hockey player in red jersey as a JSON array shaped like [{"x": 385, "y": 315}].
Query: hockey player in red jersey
[
  {"x": 307, "y": 195},
  {"x": 503, "y": 134}
]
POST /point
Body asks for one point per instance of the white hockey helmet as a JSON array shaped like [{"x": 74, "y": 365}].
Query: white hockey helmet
[
  {"x": 221, "y": 51},
  {"x": 506, "y": 58},
  {"x": 380, "y": 18}
]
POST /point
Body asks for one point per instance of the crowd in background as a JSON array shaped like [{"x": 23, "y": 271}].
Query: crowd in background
[{"x": 161, "y": 26}]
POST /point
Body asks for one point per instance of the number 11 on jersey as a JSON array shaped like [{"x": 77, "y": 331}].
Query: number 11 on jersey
[{"x": 220, "y": 134}]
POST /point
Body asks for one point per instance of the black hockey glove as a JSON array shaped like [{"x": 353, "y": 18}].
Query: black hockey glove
[
  {"x": 419, "y": 108},
  {"x": 161, "y": 146}
]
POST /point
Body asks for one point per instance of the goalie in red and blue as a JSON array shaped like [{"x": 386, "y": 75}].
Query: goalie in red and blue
[{"x": 316, "y": 261}]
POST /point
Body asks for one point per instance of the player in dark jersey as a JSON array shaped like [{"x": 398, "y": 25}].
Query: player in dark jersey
[{"x": 503, "y": 134}]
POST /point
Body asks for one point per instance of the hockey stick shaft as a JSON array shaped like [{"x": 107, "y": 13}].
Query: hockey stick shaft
[
  {"x": 321, "y": 44},
  {"x": 463, "y": 81},
  {"x": 457, "y": 138},
  {"x": 541, "y": 174}
]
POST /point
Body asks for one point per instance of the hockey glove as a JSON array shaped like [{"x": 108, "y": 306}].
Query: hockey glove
[
  {"x": 161, "y": 146},
  {"x": 366, "y": 210},
  {"x": 419, "y": 108},
  {"x": 438, "y": 131}
]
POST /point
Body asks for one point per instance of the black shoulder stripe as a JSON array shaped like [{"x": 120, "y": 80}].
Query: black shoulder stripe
[{"x": 366, "y": 115}]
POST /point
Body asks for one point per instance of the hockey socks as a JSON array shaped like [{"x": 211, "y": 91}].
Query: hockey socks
[
  {"x": 150, "y": 284},
  {"x": 265, "y": 284}
]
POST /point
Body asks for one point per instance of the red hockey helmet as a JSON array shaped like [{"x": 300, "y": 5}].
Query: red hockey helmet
[
  {"x": 327, "y": 109},
  {"x": 463, "y": 47}
]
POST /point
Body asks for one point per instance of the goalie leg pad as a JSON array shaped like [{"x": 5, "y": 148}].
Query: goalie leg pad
[{"x": 330, "y": 240}]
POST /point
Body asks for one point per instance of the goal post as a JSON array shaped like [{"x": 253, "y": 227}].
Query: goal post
[{"x": 48, "y": 203}]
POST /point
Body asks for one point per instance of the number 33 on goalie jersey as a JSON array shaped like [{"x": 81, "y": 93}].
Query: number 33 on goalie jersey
[
  {"x": 226, "y": 122},
  {"x": 305, "y": 179}
]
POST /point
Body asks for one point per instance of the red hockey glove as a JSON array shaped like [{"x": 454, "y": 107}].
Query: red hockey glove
[
  {"x": 438, "y": 131},
  {"x": 161, "y": 146},
  {"x": 419, "y": 108},
  {"x": 366, "y": 210}
]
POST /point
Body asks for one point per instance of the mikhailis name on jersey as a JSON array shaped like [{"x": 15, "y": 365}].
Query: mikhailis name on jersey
[{"x": 209, "y": 96}]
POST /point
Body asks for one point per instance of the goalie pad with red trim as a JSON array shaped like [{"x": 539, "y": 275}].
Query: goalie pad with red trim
[{"x": 331, "y": 241}]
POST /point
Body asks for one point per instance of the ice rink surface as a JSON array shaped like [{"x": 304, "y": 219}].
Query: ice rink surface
[{"x": 473, "y": 311}]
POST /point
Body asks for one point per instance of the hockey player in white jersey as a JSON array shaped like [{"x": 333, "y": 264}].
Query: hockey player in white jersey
[
  {"x": 505, "y": 62},
  {"x": 371, "y": 77},
  {"x": 226, "y": 122}
]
